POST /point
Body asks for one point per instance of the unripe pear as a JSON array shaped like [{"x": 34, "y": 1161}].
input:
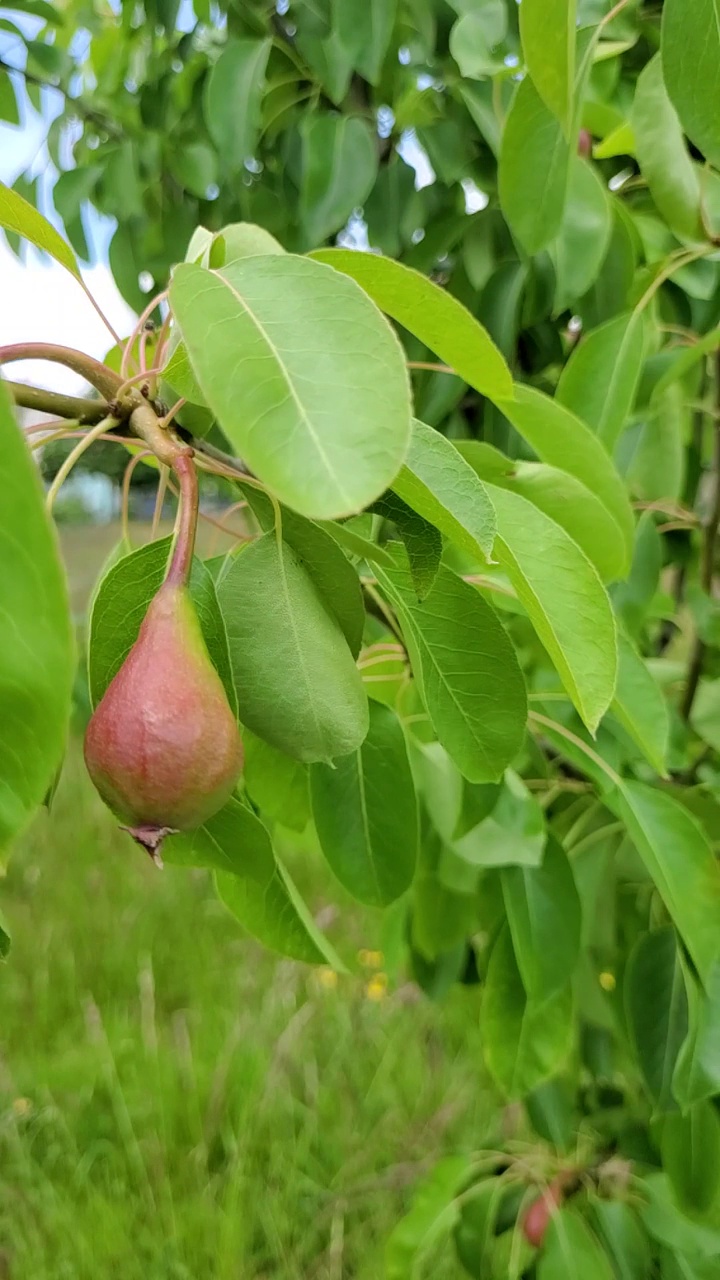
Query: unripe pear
[{"x": 163, "y": 746}]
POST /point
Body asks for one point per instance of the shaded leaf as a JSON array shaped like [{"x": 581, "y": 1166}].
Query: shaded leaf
[
  {"x": 465, "y": 667},
  {"x": 697, "y": 1070},
  {"x": 570, "y": 1249},
  {"x": 277, "y": 784},
  {"x": 656, "y": 1010},
  {"x": 690, "y": 1150},
  {"x": 432, "y": 1215},
  {"x": 547, "y": 31},
  {"x": 640, "y": 706},
  {"x": 421, "y": 539},
  {"x": 298, "y": 687},
  {"x": 524, "y": 1041},
  {"x": 437, "y": 482},
  {"x": 365, "y": 812},
  {"x": 663, "y": 156},
  {"x": 339, "y": 164},
  {"x": 232, "y": 100},
  {"x": 681, "y": 863},
  {"x": 600, "y": 379},
  {"x": 533, "y": 169},
  {"x": 691, "y": 69},
  {"x": 564, "y": 598},
  {"x": 584, "y": 237},
  {"x": 543, "y": 911},
  {"x": 36, "y": 636}
]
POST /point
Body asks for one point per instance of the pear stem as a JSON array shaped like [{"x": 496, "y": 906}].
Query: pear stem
[{"x": 178, "y": 574}]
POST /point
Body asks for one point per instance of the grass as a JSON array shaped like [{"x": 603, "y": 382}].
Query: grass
[{"x": 177, "y": 1103}]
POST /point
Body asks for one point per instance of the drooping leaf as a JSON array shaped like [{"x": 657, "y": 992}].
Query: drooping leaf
[
  {"x": 524, "y": 1040},
  {"x": 474, "y": 36},
  {"x": 121, "y": 602},
  {"x": 232, "y": 100},
  {"x": 691, "y": 69},
  {"x": 512, "y": 834},
  {"x": 691, "y": 1156},
  {"x": 465, "y": 667},
  {"x": 656, "y": 1010},
  {"x": 19, "y": 216},
  {"x": 652, "y": 452},
  {"x": 533, "y": 169},
  {"x": 600, "y": 379},
  {"x": 36, "y": 638},
  {"x": 547, "y": 31},
  {"x": 430, "y": 313},
  {"x": 618, "y": 1227},
  {"x": 432, "y": 1215},
  {"x": 474, "y": 1234},
  {"x": 639, "y": 704},
  {"x": 681, "y": 863},
  {"x": 421, "y": 539},
  {"x": 276, "y": 783},
  {"x": 298, "y": 686},
  {"x": 339, "y": 164},
  {"x": 562, "y": 440},
  {"x": 697, "y": 1070},
  {"x": 237, "y": 847},
  {"x": 364, "y": 28},
  {"x": 570, "y": 1249},
  {"x": 365, "y": 812},
  {"x": 662, "y": 154},
  {"x": 564, "y": 598},
  {"x": 316, "y": 354},
  {"x": 579, "y": 250},
  {"x": 543, "y": 911},
  {"x": 437, "y": 482},
  {"x": 333, "y": 575}
]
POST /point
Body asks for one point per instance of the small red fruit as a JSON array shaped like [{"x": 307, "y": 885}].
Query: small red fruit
[{"x": 538, "y": 1213}]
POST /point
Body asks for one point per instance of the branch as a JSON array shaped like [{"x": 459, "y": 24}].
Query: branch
[
  {"x": 707, "y": 561},
  {"x": 103, "y": 379},
  {"x": 77, "y": 408},
  {"x": 86, "y": 113}
]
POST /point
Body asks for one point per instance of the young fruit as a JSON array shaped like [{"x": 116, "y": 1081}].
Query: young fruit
[
  {"x": 538, "y": 1213},
  {"x": 163, "y": 746}
]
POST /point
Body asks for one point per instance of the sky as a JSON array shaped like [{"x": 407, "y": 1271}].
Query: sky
[{"x": 39, "y": 300}]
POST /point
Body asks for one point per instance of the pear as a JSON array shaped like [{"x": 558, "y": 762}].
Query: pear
[{"x": 163, "y": 746}]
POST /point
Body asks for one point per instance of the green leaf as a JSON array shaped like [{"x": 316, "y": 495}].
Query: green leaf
[
  {"x": 298, "y": 687},
  {"x": 354, "y": 543},
  {"x": 512, "y": 834},
  {"x": 551, "y": 1112},
  {"x": 665, "y": 1222},
  {"x": 316, "y": 354},
  {"x": 121, "y": 602},
  {"x": 524, "y": 1040},
  {"x": 334, "y": 577},
  {"x": 236, "y": 845},
  {"x": 563, "y": 498},
  {"x": 663, "y": 156},
  {"x": 474, "y": 1234},
  {"x": 533, "y": 170},
  {"x": 652, "y": 452},
  {"x": 564, "y": 598},
  {"x": 640, "y": 706},
  {"x": 685, "y": 360},
  {"x": 4, "y": 944},
  {"x": 432, "y": 1216},
  {"x": 690, "y": 1150},
  {"x": 232, "y": 100},
  {"x": 240, "y": 240},
  {"x": 430, "y": 313},
  {"x": 278, "y": 785},
  {"x": 364, "y": 28},
  {"x": 656, "y": 1010},
  {"x": 339, "y": 166},
  {"x": 465, "y": 667},
  {"x": 584, "y": 238},
  {"x": 19, "y": 216},
  {"x": 475, "y": 35},
  {"x": 625, "y": 1241},
  {"x": 36, "y": 637},
  {"x": 600, "y": 379},
  {"x": 697, "y": 1071},
  {"x": 437, "y": 482},
  {"x": 547, "y": 31},
  {"x": 422, "y": 541},
  {"x": 543, "y": 911},
  {"x": 365, "y": 813},
  {"x": 8, "y": 102},
  {"x": 691, "y": 67},
  {"x": 562, "y": 440},
  {"x": 570, "y": 1250},
  {"x": 681, "y": 863}
]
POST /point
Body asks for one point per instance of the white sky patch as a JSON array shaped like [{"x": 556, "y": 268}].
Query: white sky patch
[{"x": 43, "y": 303}]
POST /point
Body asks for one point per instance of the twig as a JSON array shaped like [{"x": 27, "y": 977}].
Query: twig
[
  {"x": 85, "y": 112},
  {"x": 78, "y": 408}
]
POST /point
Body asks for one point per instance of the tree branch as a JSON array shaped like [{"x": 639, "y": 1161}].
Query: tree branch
[
  {"x": 77, "y": 408},
  {"x": 77, "y": 105},
  {"x": 707, "y": 561}
]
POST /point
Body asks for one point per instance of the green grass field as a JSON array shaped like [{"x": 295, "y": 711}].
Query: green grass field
[{"x": 177, "y": 1103}]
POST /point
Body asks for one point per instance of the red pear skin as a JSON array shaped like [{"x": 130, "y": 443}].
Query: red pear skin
[
  {"x": 537, "y": 1215},
  {"x": 163, "y": 746}
]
